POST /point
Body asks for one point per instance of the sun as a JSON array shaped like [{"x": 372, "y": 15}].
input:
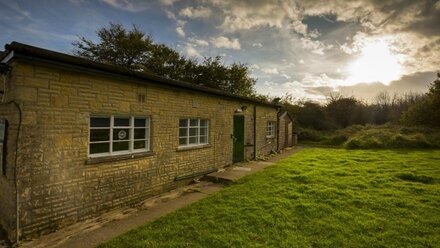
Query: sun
[{"x": 376, "y": 64}]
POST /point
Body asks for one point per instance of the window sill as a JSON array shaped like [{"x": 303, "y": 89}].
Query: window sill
[
  {"x": 270, "y": 137},
  {"x": 188, "y": 148},
  {"x": 114, "y": 158}
]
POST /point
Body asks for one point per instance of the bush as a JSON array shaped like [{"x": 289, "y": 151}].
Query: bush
[
  {"x": 374, "y": 137},
  {"x": 392, "y": 137},
  {"x": 338, "y": 139},
  {"x": 309, "y": 135}
]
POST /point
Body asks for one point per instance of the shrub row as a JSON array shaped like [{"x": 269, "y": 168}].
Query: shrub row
[{"x": 375, "y": 137}]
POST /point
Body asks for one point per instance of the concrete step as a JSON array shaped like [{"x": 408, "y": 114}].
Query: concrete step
[
  {"x": 234, "y": 173},
  {"x": 239, "y": 170}
]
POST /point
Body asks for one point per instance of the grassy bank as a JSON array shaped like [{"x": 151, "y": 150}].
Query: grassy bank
[
  {"x": 316, "y": 198},
  {"x": 374, "y": 137}
]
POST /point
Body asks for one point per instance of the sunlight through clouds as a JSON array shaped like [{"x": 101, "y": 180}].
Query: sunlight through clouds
[
  {"x": 376, "y": 64},
  {"x": 319, "y": 45}
]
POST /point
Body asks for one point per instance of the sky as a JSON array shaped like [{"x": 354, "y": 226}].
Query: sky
[{"x": 308, "y": 49}]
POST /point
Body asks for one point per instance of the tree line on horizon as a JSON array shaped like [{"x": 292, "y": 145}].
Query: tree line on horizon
[
  {"x": 134, "y": 50},
  {"x": 340, "y": 111}
]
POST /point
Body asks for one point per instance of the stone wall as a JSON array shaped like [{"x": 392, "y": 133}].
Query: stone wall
[
  {"x": 58, "y": 187},
  {"x": 282, "y": 125},
  {"x": 9, "y": 112}
]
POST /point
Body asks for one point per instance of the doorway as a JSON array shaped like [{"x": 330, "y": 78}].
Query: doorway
[{"x": 238, "y": 139}]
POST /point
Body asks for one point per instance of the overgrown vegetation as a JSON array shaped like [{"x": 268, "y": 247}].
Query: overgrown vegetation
[
  {"x": 342, "y": 111},
  {"x": 405, "y": 121},
  {"x": 374, "y": 137},
  {"x": 316, "y": 198}
]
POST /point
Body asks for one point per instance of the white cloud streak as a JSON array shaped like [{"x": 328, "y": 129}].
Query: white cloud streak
[
  {"x": 225, "y": 42},
  {"x": 194, "y": 13}
]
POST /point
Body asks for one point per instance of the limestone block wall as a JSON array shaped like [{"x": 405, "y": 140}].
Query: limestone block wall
[
  {"x": 58, "y": 187},
  {"x": 7, "y": 173},
  {"x": 9, "y": 112},
  {"x": 264, "y": 144},
  {"x": 282, "y": 122}
]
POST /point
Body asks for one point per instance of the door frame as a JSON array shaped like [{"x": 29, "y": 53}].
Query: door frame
[{"x": 238, "y": 123}]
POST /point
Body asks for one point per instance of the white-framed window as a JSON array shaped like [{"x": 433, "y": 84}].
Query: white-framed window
[
  {"x": 193, "y": 132},
  {"x": 270, "y": 130},
  {"x": 114, "y": 135}
]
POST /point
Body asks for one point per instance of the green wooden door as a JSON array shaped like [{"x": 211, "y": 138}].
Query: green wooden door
[{"x": 238, "y": 139}]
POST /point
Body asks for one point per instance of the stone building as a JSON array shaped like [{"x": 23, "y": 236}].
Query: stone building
[
  {"x": 286, "y": 136},
  {"x": 82, "y": 138}
]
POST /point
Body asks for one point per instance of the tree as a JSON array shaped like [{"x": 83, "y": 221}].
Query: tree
[
  {"x": 234, "y": 79},
  {"x": 117, "y": 46},
  {"x": 426, "y": 111},
  {"x": 168, "y": 63},
  {"x": 345, "y": 111},
  {"x": 134, "y": 50}
]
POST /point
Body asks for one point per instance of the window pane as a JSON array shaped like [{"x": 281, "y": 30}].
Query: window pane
[
  {"x": 140, "y": 144},
  {"x": 99, "y": 134},
  {"x": 139, "y": 133},
  {"x": 194, "y": 122},
  {"x": 99, "y": 148},
  {"x": 203, "y": 139},
  {"x": 192, "y": 140},
  {"x": 100, "y": 121},
  {"x": 203, "y": 131},
  {"x": 139, "y": 122},
  {"x": 182, "y": 141},
  {"x": 120, "y": 146},
  {"x": 121, "y": 134},
  {"x": 122, "y": 122},
  {"x": 193, "y": 131},
  {"x": 183, "y": 132},
  {"x": 183, "y": 123},
  {"x": 203, "y": 123}
]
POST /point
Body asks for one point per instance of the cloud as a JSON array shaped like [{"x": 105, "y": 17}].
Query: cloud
[
  {"x": 128, "y": 5},
  {"x": 180, "y": 32},
  {"x": 257, "y": 44},
  {"x": 191, "y": 51},
  {"x": 414, "y": 83},
  {"x": 315, "y": 46},
  {"x": 225, "y": 42},
  {"x": 320, "y": 90},
  {"x": 321, "y": 80},
  {"x": 301, "y": 61},
  {"x": 198, "y": 42},
  {"x": 248, "y": 14},
  {"x": 270, "y": 70},
  {"x": 15, "y": 12},
  {"x": 270, "y": 85},
  {"x": 254, "y": 67},
  {"x": 170, "y": 14},
  {"x": 293, "y": 84},
  {"x": 198, "y": 12},
  {"x": 168, "y": 2}
]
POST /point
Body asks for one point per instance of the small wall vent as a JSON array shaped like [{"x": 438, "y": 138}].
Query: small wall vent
[{"x": 141, "y": 98}]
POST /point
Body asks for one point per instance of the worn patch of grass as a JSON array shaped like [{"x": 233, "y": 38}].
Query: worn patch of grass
[{"x": 315, "y": 198}]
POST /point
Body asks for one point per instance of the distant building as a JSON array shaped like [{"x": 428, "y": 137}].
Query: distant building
[
  {"x": 82, "y": 138},
  {"x": 286, "y": 136}
]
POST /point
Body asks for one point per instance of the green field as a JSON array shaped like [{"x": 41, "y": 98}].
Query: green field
[{"x": 315, "y": 198}]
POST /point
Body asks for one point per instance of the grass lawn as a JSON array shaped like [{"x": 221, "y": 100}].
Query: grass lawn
[{"x": 315, "y": 198}]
